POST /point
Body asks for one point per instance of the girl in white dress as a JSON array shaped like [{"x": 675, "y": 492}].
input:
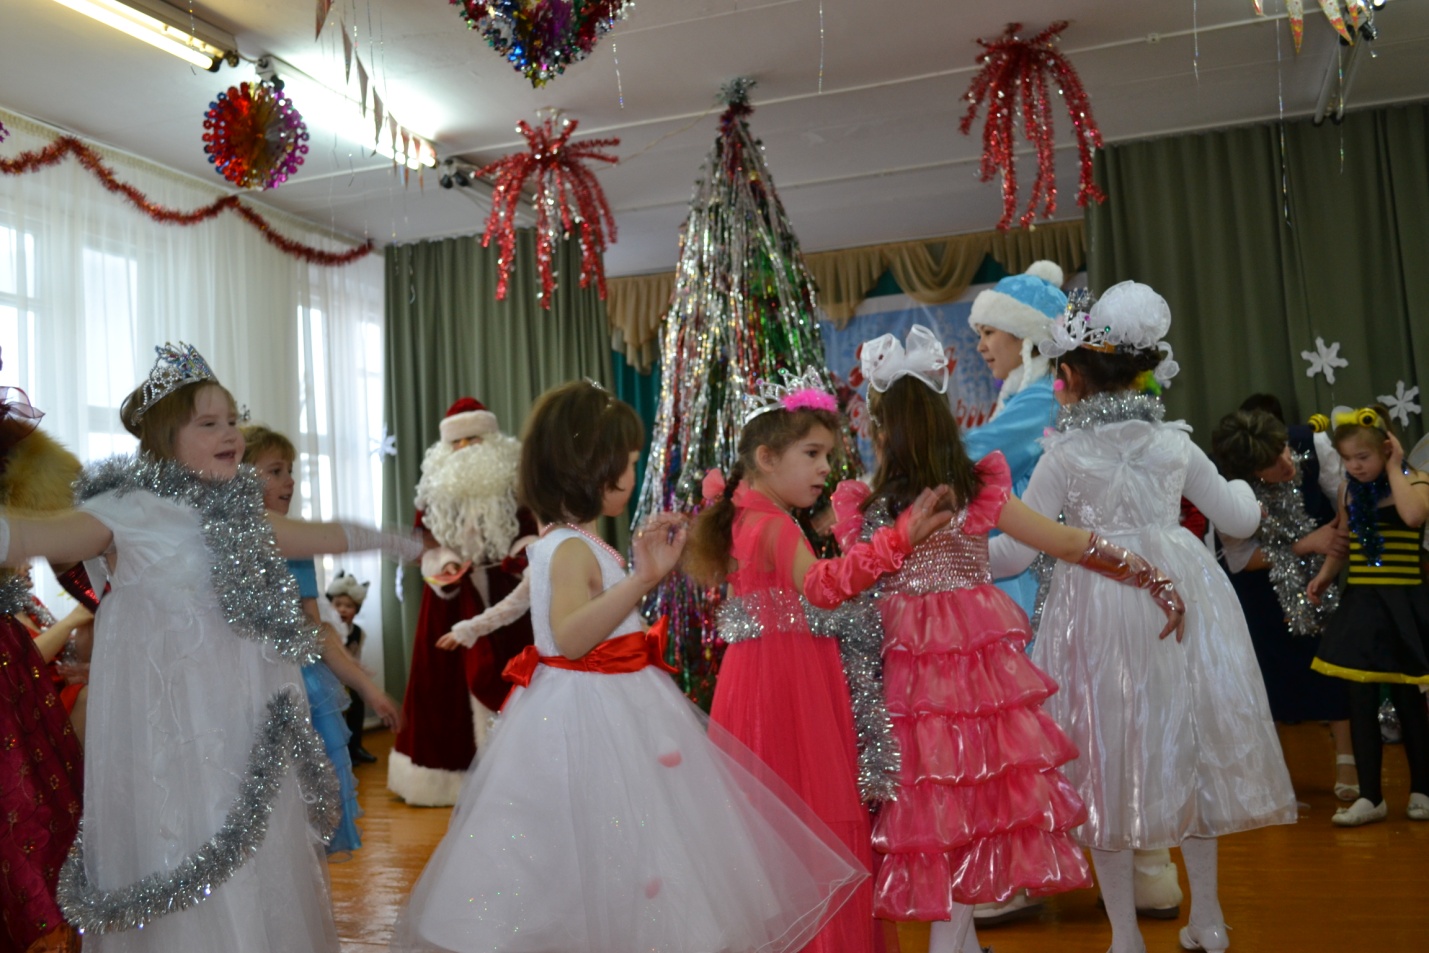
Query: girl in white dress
[
  {"x": 195, "y": 835},
  {"x": 601, "y": 817},
  {"x": 1177, "y": 744}
]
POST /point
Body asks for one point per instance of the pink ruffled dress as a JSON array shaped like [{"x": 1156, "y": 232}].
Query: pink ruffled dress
[{"x": 981, "y": 809}]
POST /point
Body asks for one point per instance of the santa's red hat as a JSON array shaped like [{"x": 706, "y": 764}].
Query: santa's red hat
[{"x": 468, "y": 417}]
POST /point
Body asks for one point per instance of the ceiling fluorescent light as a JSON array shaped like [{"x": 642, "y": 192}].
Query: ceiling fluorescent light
[
  {"x": 326, "y": 108},
  {"x": 164, "y": 27}
]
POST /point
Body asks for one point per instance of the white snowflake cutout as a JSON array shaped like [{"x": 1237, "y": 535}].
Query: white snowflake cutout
[
  {"x": 1401, "y": 403},
  {"x": 386, "y": 444},
  {"x": 1324, "y": 360}
]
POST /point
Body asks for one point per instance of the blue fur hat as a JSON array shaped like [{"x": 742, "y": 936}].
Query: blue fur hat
[{"x": 1022, "y": 305}]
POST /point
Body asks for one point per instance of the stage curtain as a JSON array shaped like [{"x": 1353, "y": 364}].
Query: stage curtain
[
  {"x": 447, "y": 336},
  {"x": 934, "y": 271},
  {"x": 1258, "y": 255},
  {"x": 637, "y": 305}
]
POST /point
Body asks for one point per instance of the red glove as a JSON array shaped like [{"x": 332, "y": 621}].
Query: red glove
[{"x": 832, "y": 582}]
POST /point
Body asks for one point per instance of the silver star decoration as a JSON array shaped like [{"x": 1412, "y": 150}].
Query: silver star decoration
[
  {"x": 1324, "y": 360},
  {"x": 386, "y": 444},
  {"x": 1401, "y": 403}
]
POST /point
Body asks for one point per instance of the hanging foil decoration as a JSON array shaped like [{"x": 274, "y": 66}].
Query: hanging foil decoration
[
  {"x": 1345, "y": 16},
  {"x": 743, "y": 308},
  {"x": 540, "y": 38},
  {"x": 253, "y": 136},
  {"x": 1284, "y": 524},
  {"x": 1017, "y": 70},
  {"x": 559, "y": 172}
]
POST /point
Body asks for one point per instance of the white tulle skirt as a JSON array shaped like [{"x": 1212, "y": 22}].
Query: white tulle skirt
[
  {"x": 1175, "y": 739},
  {"x": 605, "y": 815}
]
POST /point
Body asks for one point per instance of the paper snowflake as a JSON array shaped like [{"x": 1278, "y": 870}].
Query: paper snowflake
[
  {"x": 386, "y": 444},
  {"x": 1401, "y": 403},
  {"x": 1324, "y": 360}
]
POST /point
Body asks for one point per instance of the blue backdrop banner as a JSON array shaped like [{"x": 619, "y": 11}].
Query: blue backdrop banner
[{"x": 972, "y": 390}]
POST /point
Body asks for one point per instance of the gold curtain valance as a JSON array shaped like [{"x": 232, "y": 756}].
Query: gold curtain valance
[{"x": 934, "y": 271}]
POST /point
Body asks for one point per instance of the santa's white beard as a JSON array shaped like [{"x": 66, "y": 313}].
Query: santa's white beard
[{"x": 468, "y": 496}]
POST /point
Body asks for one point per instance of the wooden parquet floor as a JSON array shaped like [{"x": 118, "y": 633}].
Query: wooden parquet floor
[{"x": 1308, "y": 887}]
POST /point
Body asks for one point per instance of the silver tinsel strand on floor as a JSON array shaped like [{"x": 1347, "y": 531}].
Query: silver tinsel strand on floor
[
  {"x": 285, "y": 740},
  {"x": 258, "y": 594}
]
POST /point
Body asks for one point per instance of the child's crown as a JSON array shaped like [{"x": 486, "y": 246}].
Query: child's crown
[
  {"x": 173, "y": 368},
  {"x": 806, "y": 391}
]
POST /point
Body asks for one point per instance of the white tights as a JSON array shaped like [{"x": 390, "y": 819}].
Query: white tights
[
  {"x": 1114, "y": 876},
  {"x": 954, "y": 935}
]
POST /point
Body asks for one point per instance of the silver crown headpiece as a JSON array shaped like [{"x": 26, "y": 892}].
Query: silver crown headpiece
[
  {"x": 173, "y": 368},
  {"x": 804, "y": 391}
]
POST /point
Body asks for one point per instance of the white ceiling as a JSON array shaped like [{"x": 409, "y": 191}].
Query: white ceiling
[{"x": 876, "y": 156}]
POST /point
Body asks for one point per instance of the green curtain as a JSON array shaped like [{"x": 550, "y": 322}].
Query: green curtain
[
  {"x": 1259, "y": 251},
  {"x": 447, "y": 336}
]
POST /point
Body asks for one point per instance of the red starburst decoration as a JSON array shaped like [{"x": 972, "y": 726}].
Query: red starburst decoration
[
  {"x": 253, "y": 136},
  {"x": 1016, "y": 77},
  {"x": 560, "y": 175}
]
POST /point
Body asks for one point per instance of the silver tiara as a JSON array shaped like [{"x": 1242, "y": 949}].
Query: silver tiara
[
  {"x": 804, "y": 391},
  {"x": 173, "y": 368}
]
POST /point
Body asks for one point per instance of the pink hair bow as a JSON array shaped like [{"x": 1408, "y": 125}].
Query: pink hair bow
[{"x": 712, "y": 487}]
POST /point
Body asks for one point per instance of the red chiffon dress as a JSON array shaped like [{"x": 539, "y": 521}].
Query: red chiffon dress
[
  {"x": 981, "y": 809},
  {"x": 782, "y": 692}
]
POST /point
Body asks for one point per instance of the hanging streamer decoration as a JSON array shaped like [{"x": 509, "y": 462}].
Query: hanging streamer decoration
[
  {"x": 743, "y": 309},
  {"x": 254, "y": 136},
  {"x": 559, "y": 171},
  {"x": 540, "y": 39},
  {"x": 1016, "y": 69},
  {"x": 52, "y": 154}
]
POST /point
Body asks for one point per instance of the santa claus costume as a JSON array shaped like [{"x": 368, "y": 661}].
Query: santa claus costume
[{"x": 466, "y": 504}]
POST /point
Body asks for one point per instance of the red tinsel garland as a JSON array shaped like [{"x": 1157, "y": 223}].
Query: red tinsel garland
[
  {"x": 53, "y": 153},
  {"x": 1014, "y": 68},
  {"x": 560, "y": 175}
]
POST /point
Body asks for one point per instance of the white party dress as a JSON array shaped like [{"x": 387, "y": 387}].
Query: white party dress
[
  {"x": 176, "y": 698},
  {"x": 1175, "y": 738},
  {"x": 602, "y": 817}
]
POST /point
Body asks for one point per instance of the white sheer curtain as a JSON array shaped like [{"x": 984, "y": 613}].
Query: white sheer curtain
[{"x": 89, "y": 285}]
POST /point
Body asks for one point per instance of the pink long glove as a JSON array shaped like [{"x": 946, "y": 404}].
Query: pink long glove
[{"x": 832, "y": 582}]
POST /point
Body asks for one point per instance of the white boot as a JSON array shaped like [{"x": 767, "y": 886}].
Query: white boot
[
  {"x": 1016, "y": 907},
  {"x": 1157, "y": 889}
]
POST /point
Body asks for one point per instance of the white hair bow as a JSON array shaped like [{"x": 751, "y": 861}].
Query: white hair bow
[{"x": 885, "y": 359}]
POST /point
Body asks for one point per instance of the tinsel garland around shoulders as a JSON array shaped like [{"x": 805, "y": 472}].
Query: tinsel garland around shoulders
[
  {"x": 1110, "y": 407},
  {"x": 1284, "y": 524},
  {"x": 258, "y": 593}
]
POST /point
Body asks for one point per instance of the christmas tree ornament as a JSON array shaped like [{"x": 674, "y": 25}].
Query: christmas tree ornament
[
  {"x": 560, "y": 175},
  {"x": 1017, "y": 78},
  {"x": 254, "y": 136},
  {"x": 540, "y": 38}
]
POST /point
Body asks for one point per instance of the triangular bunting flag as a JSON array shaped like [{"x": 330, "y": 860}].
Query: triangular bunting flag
[
  {"x": 346, "y": 55},
  {"x": 324, "y": 6}
]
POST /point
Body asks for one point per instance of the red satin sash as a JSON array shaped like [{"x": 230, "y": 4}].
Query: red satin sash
[{"x": 617, "y": 656}]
